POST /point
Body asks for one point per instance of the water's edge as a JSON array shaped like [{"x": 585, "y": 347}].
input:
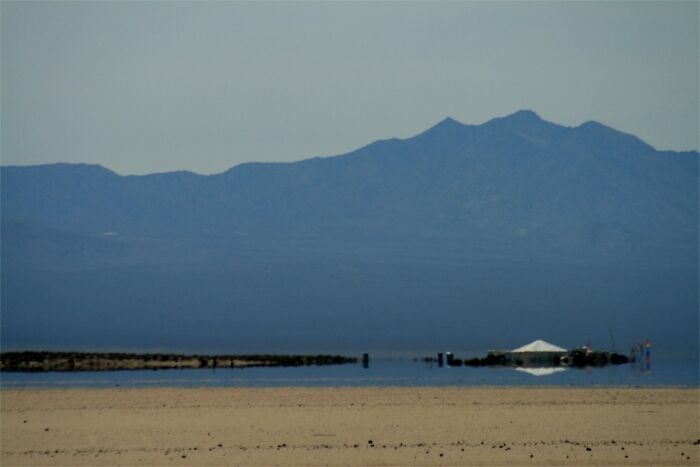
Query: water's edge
[{"x": 381, "y": 373}]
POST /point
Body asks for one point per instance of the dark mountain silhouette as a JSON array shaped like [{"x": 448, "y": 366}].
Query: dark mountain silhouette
[{"x": 464, "y": 235}]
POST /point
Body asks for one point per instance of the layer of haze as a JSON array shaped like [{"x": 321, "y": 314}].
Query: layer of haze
[{"x": 155, "y": 86}]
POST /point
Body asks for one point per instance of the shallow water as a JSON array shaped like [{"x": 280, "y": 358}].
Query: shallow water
[{"x": 381, "y": 372}]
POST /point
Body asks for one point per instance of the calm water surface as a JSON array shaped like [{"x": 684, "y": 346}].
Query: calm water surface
[{"x": 381, "y": 372}]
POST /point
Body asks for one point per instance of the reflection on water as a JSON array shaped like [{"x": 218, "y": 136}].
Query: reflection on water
[
  {"x": 543, "y": 371},
  {"x": 378, "y": 372}
]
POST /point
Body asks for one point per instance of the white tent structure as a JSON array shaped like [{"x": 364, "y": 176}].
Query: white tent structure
[
  {"x": 539, "y": 346},
  {"x": 538, "y": 352}
]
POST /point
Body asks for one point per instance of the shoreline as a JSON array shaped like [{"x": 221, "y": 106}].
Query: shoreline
[
  {"x": 485, "y": 387},
  {"x": 334, "y": 426}
]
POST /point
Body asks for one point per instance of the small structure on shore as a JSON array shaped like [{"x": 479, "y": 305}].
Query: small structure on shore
[{"x": 538, "y": 352}]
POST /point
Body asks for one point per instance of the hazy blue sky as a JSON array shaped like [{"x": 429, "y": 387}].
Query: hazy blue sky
[{"x": 158, "y": 86}]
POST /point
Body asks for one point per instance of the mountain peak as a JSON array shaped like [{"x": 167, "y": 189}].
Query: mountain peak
[
  {"x": 448, "y": 122},
  {"x": 524, "y": 115},
  {"x": 598, "y": 130},
  {"x": 593, "y": 125},
  {"x": 521, "y": 116},
  {"x": 446, "y": 126}
]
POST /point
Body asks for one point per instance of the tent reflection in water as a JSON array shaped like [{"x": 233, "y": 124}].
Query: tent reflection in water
[
  {"x": 541, "y": 371},
  {"x": 537, "y": 353}
]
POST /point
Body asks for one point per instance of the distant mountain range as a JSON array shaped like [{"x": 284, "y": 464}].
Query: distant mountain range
[{"x": 464, "y": 235}]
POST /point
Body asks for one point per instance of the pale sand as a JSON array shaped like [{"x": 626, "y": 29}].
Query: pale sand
[{"x": 334, "y": 426}]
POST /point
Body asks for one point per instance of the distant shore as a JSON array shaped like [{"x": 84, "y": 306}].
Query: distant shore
[
  {"x": 38, "y": 361},
  {"x": 350, "y": 426}
]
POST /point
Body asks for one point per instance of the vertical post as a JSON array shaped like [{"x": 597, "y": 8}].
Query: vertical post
[
  {"x": 365, "y": 360},
  {"x": 440, "y": 363},
  {"x": 647, "y": 357}
]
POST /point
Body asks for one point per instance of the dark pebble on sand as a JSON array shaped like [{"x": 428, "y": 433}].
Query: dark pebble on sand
[
  {"x": 588, "y": 449},
  {"x": 46, "y": 429},
  {"x": 531, "y": 456},
  {"x": 369, "y": 442}
]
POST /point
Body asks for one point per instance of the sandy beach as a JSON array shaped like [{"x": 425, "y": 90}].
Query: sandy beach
[{"x": 351, "y": 426}]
